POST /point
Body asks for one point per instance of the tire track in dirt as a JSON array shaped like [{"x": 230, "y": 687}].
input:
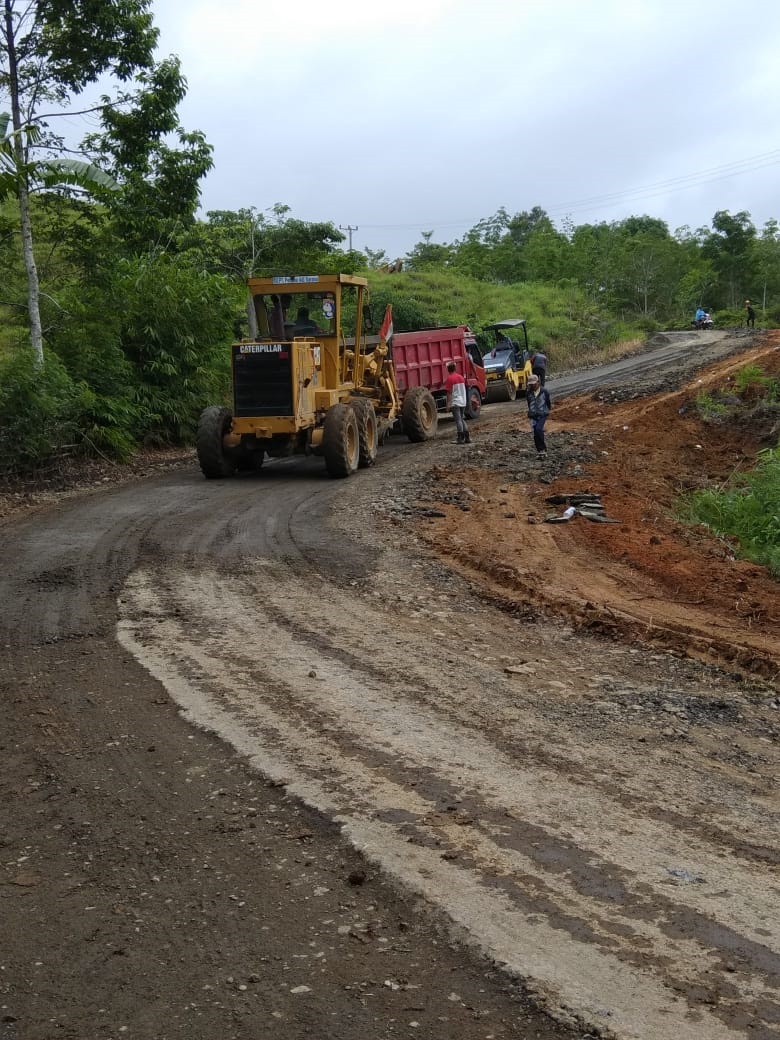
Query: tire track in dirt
[{"x": 513, "y": 850}]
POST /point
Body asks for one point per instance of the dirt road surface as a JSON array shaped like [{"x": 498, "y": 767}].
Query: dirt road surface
[{"x": 393, "y": 756}]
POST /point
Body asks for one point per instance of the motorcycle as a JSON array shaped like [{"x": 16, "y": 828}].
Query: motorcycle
[{"x": 703, "y": 323}]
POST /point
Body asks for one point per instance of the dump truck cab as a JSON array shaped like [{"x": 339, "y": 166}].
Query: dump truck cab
[{"x": 507, "y": 364}]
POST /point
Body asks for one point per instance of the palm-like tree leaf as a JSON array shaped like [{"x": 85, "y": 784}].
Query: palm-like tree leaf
[
  {"x": 74, "y": 171},
  {"x": 48, "y": 173}
]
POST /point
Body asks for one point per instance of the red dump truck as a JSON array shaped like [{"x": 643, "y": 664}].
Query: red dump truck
[{"x": 421, "y": 358}]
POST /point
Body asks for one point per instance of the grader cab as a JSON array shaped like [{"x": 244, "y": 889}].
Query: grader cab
[{"x": 307, "y": 383}]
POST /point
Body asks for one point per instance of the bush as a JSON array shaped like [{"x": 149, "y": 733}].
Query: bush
[
  {"x": 175, "y": 325},
  {"x": 40, "y": 407}
]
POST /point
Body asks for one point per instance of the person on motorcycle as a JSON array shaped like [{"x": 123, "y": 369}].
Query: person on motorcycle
[{"x": 702, "y": 320}]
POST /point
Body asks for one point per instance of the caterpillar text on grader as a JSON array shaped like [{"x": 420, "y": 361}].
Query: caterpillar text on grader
[{"x": 306, "y": 383}]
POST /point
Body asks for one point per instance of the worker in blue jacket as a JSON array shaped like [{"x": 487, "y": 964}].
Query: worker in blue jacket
[{"x": 539, "y": 407}]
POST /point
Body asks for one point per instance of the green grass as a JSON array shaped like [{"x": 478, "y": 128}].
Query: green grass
[
  {"x": 710, "y": 409},
  {"x": 572, "y": 329},
  {"x": 748, "y": 511}
]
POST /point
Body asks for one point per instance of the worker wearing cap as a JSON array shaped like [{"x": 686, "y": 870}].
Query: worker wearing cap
[
  {"x": 539, "y": 407},
  {"x": 751, "y": 315},
  {"x": 539, "y": 365}
]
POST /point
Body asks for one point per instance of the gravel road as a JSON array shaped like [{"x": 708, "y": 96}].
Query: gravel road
[{"x": 272, "y": 767}]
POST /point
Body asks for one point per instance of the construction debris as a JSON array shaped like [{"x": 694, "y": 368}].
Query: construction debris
[{"x": 586, "y": 504}]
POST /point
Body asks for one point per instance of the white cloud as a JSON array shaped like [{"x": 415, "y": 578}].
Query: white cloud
[{"x": 431, "y": 114}]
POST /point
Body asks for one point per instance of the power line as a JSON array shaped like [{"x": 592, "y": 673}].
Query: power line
[{"x": 690, "y": 180}]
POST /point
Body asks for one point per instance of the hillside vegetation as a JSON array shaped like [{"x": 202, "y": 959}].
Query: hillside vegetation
[{"x": 120, "y": 299}]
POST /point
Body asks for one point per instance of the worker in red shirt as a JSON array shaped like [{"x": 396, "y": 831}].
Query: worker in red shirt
[{"x": 455, "y": 385}]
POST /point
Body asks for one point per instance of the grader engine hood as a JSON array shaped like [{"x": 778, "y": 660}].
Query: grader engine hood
[
  {"x": 275, "y": 381},
  {"x": 262, "y": 379}
]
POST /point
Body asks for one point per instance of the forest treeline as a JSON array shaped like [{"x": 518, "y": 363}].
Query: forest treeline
[{"x": 119, "y": 299}]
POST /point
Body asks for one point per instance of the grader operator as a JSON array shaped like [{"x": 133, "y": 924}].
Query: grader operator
[{"x": 305, "y": 382}]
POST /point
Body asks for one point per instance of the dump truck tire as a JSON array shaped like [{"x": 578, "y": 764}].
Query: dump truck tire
[
  {"x": 213, "y": 424},
  {"x": 418, "y": 414},
  {"x": 368, "y": 431},
  {"x": 340, "y": 441},
  {"x": 473, "y": 403}
]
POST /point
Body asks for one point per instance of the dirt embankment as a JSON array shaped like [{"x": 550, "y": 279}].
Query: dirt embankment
[{"x": 647, "y": 576}]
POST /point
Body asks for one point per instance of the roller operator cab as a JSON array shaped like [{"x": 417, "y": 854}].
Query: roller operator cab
[
  {"x": 304, "y": 382},
  {"x": 507, "y": 364}
]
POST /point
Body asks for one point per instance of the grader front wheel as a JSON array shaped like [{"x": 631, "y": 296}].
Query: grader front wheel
[
  {"x": 340, "y": 441},
  {"x": 214, "y": 461}
]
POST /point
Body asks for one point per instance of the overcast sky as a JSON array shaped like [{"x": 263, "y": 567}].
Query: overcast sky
[{"x": 399, "y": 117}]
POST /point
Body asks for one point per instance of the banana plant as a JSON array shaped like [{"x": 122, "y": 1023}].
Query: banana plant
[
  {"x": 19, "y": 176},
  {"x": 44, "y": 173}
]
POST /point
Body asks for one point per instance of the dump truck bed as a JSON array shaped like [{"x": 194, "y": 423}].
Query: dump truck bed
[{"x": 420, "y": 358}]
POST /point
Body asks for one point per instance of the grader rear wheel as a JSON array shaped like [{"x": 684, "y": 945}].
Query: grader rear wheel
[
  {"x": 368, "y": 430},
  {"x": 418, "y": 414},
  {"x": 214, "y": 461},
  {"x": 340, "y": 441}
]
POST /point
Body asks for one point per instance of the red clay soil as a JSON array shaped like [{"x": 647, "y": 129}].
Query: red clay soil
[{"x": 648, "y": 578}]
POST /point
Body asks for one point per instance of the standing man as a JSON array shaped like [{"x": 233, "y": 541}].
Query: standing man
[
  {"x": 455, "y": 385},
  {"x": 751, "y": 315},
  {"x": 539, "y": 407},
  {"x": 539, "y": 366}
]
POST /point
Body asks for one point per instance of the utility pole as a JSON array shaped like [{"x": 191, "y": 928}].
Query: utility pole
[{"x": 349, "y": 229}]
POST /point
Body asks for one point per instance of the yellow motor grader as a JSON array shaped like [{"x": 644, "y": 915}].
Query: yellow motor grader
[{"x": 306, "y": 382}]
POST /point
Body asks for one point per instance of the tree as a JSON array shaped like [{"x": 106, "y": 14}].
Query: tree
[
  {"x": 376, "y": 258},
  {"x": 159, "y": 179},
  {"x": 475, "y": 253},
  {"x": 16, "y": 180},
  {"x": 508, "y": 249},
  {"x": 766, "y": 252},
  {"x": 729, "y": 245},
  {"x": 593, "y": 251},
  {"x": 427, "y": 254},
  {"x": 242, "y": 243},
  {"x": 644, "y": 269},
  {"x": 546, "y": 254},
  {"x": 52, "y": 51}
]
